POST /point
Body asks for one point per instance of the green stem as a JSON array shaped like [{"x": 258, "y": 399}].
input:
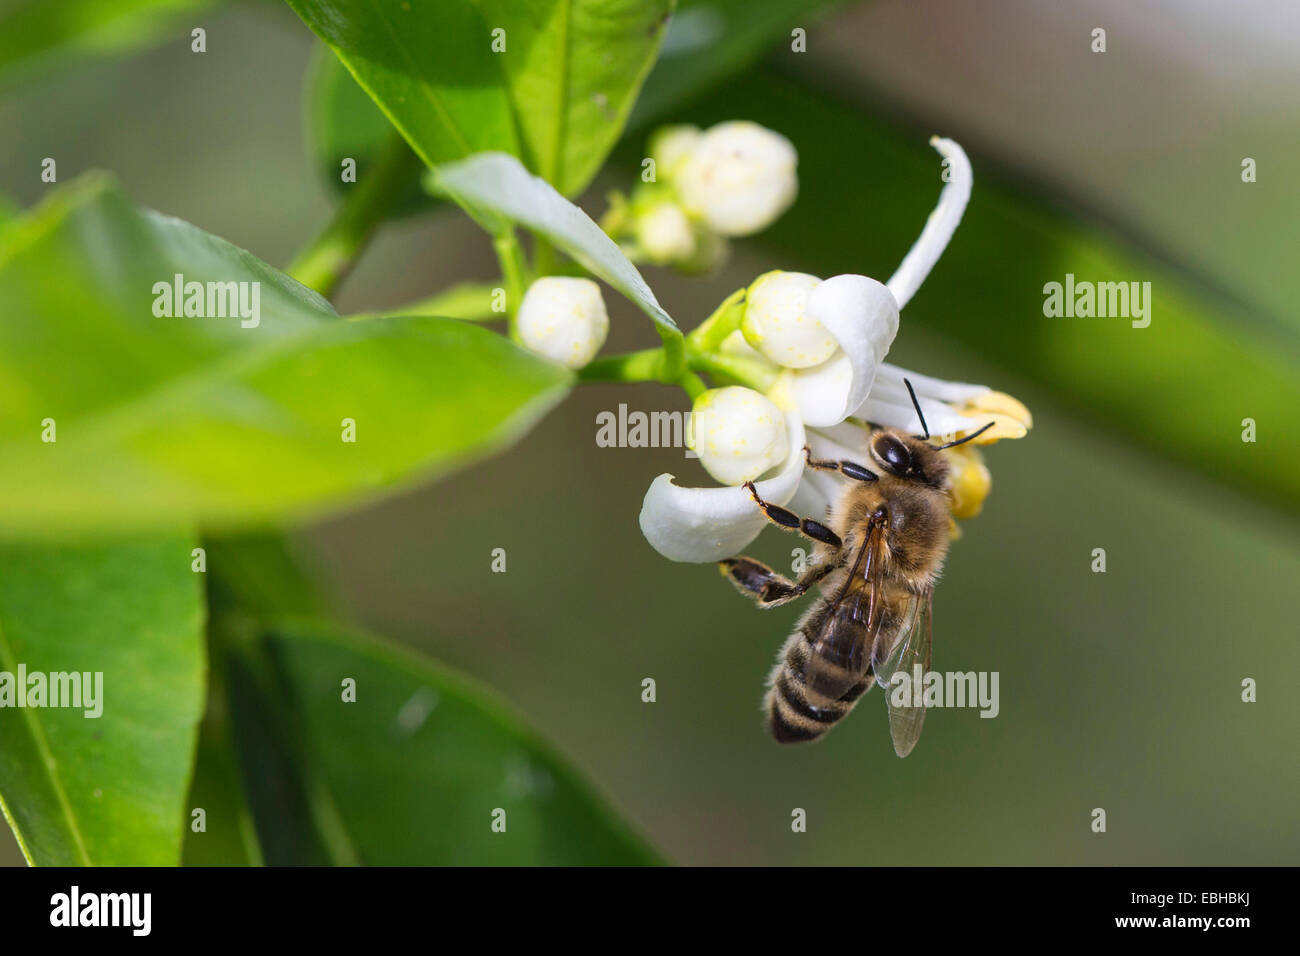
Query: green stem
[
  {"x": 330, "y": 256},
  {"x": 725, "y": 319},
  {"x": 514, "y": 272},
  {"x": 544, "y": 261},
  {"x": 735, "y": 368},
  {"x": 694, "y": 385},
  {"x": 651, "y": 365},
  {"x": 644, "y": 366},
  {"x": 674, "y": 353}
]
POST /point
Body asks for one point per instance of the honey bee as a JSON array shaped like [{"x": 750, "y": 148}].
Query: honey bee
[{"x": 876, "y": 563}]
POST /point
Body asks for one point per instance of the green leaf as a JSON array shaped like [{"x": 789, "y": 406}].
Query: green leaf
[
  {"x": 228, "y": 837},
  {"x": 573, "y": 68},
  {"x": 500, "y": 191},
  {"x": 557, "y": 96},
  {"x": 38, "y": 34},
  {"x": 343, "y": 122},
  {"x": 410, "y": 773},
  {"x": 163, "y": 419},
  {"x": 109, "y": 790},
  {"x": 429, "y": 67},
  {"x": 1180, "y": 387}
]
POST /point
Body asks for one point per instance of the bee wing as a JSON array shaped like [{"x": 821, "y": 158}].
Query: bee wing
[
  {"x": 841, "y": 651},
  {"x": 911, "y": 648}
]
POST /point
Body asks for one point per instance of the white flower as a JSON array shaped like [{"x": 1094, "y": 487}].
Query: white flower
[
  {"x": 778, "y": 324},
  {"x": 665, "y": 234},
  {"x": 670, "y": 146},
  {"x": 738, "y": 177},
  {"x": 563, "y": 318},
  {"x": 861, "y": 316},
  {"x": 738, "y": 433}
]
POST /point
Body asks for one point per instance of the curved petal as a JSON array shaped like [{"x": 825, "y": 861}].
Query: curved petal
[
  {"x": 941, "y": 418},
  {"x": 891, "y": 377},
  {"x": 709, "y": 524},
  {"x": 846, "y": 442},
  {"x": 925, "y": 252},
  {"x": 861, "y": 315}
]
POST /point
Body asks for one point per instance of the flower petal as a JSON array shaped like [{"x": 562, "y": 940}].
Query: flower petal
[
  {"x": 925, "y": 252},
  {"x": 891, "y": 404},
  {"x": 891, "y": 377},
  {"x": 941, "y": 418},
  {"x": 709, "y": 524},
  {"x": 814, "y": 496},
  {"x": 860, "y": 314}
]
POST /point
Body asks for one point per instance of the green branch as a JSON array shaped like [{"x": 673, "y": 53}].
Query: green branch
[{"x": 332, "y": 254}]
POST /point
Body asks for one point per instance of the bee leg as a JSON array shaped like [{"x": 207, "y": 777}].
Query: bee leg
[
  {"x": 768, "y": 589},
  {"x": 848, "y": 469},
  {"x": 792, "y": 522}
]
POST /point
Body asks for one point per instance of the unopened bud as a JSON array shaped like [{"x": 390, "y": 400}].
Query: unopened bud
[
  {"x": 738, "y": 433},
  {"x": 776, "y": 321},
  {"x": 563, "y": 318},
  {"x": 739, "y": 177}
]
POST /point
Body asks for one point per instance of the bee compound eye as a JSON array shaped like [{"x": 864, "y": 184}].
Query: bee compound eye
[{"x": 894, "y": 453}]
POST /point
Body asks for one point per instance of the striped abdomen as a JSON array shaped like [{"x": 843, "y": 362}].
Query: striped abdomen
[{"x": 824, "y": 650}]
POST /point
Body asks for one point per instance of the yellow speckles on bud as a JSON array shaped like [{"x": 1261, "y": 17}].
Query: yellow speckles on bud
[
  {"x": 738, "y": 433},
  {"x": 563, "y": 318},
  {"x": 970, "y": 480},
  {"x": 776, "y": 320}
]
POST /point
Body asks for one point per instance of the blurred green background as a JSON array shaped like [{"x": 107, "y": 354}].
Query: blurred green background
[{"x": 1118, "y": 690}]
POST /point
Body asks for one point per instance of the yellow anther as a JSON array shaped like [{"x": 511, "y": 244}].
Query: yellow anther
[
  {"x": 970, "y": 480},
  {"x": 998, "y": 403}
]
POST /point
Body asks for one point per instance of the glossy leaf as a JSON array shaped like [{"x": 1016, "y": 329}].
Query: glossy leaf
[
  {"x": 573, "y": 69},
  {"x": 159, "y": 419},
  {"x": 549, "y": 81},
  {"x": 413, "y": 772},
  {"x": 107, "y": 790},
  {"x": 39, "y": 34},
  {"x": 429, "y": 67},
  {"x": 343, "y": 122},
  {"x": 500, "y": 190}
]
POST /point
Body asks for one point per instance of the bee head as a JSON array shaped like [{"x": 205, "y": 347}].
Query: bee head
[
  {"x": 912, "y": 456},
  {"x": 905, "y": 456}
]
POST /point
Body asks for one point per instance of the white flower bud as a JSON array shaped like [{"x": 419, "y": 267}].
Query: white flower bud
[
  {"x": 563, "y": 318},
  {"x": 665, "y": 233},
  {"x": 738, "y": 433},
  {"x": 738, "y": 178},
  {"x": 671, "y": 145},
  {"x": 776, "y": 320}
]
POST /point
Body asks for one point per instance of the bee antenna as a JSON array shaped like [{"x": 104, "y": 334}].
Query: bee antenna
[
  {"x": 917, "y": 405},
  {"x": 962, "y": 441}
]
